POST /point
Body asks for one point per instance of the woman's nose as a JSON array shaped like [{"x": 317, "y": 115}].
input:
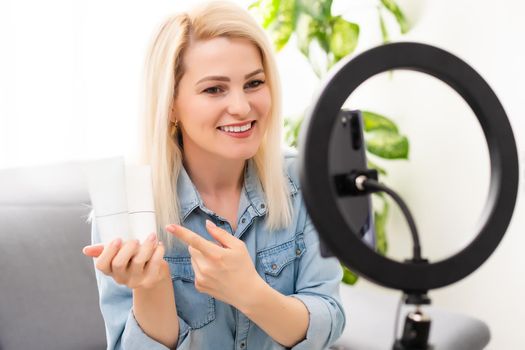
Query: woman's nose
[{"x": 238, "y": 104}]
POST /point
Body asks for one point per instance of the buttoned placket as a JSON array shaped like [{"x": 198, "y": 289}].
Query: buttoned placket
[
  {"x": 243, "y": 322},
  {"x": 242, "y": 326},
  {"x": 252, "y": 205}
]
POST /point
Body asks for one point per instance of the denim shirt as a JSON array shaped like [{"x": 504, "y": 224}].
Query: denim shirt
[{"x": 288, "y": 259}]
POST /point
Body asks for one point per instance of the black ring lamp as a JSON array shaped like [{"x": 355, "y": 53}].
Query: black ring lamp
[{"x": 318, "y": 186}]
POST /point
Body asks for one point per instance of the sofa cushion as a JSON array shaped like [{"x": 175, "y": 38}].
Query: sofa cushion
[{"x": 48, "y": 291}]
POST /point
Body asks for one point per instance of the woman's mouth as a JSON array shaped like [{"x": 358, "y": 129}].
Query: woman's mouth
[{"x": 240, "y": 131}]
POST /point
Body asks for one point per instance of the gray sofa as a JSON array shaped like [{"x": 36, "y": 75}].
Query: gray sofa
[{"x": 48, "y": 293}]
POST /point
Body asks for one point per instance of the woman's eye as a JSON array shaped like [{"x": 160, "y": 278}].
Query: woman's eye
[
  {"x": 213, "y": 90},
  {"x": 255, "y": 83}
]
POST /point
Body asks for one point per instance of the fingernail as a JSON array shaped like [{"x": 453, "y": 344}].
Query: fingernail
[
  {"x": 170, "y": 227},
  {"x": 115, "y": 242},
  {"x": 84, "y": 249},
  {"x": 152, "y": 237},
  {"x": 210, "y": 224}
]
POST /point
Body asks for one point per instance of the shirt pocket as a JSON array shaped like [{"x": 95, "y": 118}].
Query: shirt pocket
[
  {"x": 195, "y": 308},
  {"x": 279, "y": 264}
]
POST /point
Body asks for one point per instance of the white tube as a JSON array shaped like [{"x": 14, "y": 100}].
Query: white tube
[
  {"x": 107, "y": 189},
  {"x": 141, "y": 204}
]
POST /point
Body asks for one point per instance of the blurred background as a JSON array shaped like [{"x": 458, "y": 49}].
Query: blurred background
[{"x": 69, "y": 90}]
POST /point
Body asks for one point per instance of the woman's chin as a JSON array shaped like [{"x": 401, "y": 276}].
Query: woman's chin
[{"x": 243, "y": 155}]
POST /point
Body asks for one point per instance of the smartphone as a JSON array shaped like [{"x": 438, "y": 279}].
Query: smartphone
[{"x": 347, "y": 153}]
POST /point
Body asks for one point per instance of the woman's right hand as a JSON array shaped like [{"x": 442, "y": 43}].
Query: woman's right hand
[{"x": 131, "y": 263}]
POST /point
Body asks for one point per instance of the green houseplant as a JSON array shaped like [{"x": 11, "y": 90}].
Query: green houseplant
[{"x": 321, "y": 34}]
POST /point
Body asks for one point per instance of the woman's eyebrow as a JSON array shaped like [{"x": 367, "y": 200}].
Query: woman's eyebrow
[{"x": 222, "y": 78}]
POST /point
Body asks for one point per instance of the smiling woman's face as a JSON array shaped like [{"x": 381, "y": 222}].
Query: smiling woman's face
[{"x": 223, "y": 101}]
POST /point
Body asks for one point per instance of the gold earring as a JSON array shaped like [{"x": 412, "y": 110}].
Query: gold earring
[{"x": 174, "y": 127}]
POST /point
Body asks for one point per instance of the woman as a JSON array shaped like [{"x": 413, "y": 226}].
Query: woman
[{"x": 237, "y": 263}]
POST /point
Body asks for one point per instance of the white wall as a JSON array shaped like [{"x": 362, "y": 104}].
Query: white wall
[{"x": 70, "y": 74}]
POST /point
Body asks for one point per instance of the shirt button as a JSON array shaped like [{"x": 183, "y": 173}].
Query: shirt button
[
  {"x": 243, "y": 220},
  {"x": 297, "y": 251},
  {"x": 243, "y": 345},
  {"x": 263, "y": 206},
  {"x": 274, "y": 266}
]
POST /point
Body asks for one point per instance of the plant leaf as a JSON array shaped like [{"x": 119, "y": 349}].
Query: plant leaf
[
  {"x": 391, "y": 6},
  {"x": 387, "y": 144},
  {"x": 380, "y": 218},
  {"x": 320, "y": 10},
  {"x": 349, "y": 277},
  {"x": 288, "y": 133},
  {"x": 292, "y": 128},
  {"x": 384, "y": 30},
  {"x": 284, "y": 25},
  {"x": 303, "y": 33},
  {"x": 344, "y": 37},
  {"x": 372, "y": 165},
  {"x": 373, "y": 121},
  {"x": 269, "y": 8},
  {"x": 254, "y": 5},
  {"x": 297, "y": 128},
  {"x": 265, "y": 11},
  {"x": 308, "y": 30}
]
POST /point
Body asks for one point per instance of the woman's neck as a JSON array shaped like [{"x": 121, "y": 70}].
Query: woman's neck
[{"x": 215, "y": 177}]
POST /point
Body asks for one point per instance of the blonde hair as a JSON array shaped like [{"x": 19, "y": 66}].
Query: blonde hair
[{"x": 163, "y": 70}]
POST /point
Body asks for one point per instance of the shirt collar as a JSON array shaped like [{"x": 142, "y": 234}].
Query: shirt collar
[
  {"x": 189, "y": 197},
  {"x": 253, "y": 188}
]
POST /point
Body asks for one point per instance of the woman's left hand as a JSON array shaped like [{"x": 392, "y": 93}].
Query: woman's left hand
[{"x": 224, "y": 270}]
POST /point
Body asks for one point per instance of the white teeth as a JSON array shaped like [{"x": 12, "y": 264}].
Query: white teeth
[{"x": 242, "y": 128}]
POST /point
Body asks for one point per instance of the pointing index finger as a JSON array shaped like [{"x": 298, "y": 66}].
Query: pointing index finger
[{"x": 194, "y": 240}]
